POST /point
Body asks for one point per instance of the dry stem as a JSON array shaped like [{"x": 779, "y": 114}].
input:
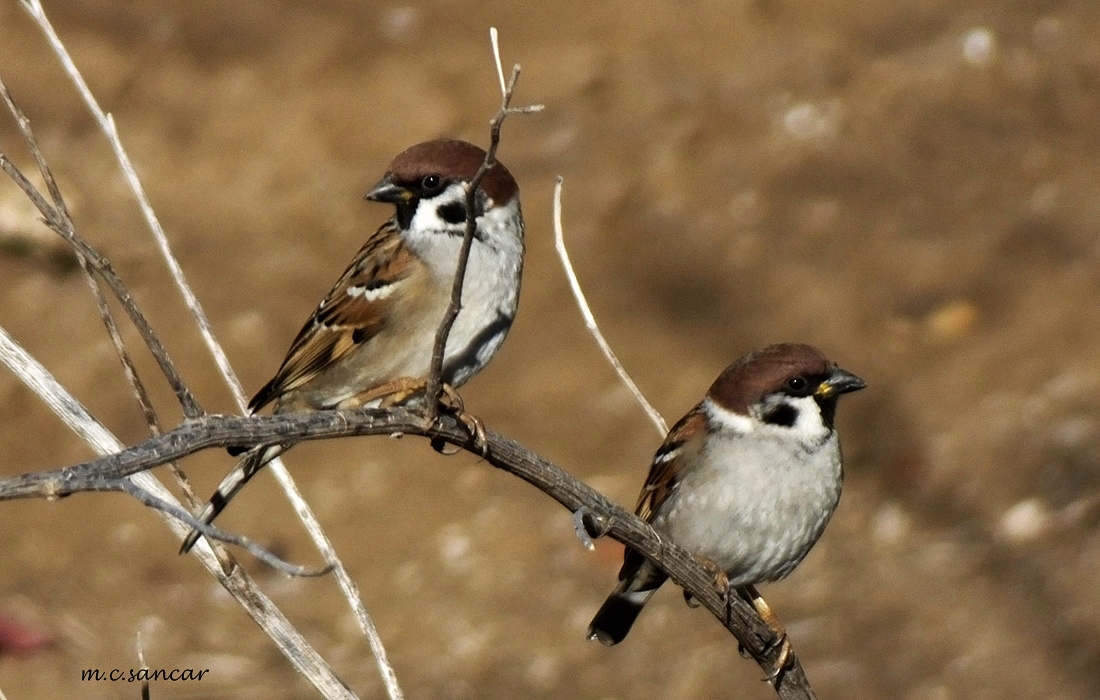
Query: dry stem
[
  {"x": 190, "y": 406},
  {"x": 434, "y": 389},
  {"x": 590, "y": 320}
]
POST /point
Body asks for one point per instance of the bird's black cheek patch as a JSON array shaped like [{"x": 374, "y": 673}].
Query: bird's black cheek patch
[
  {"x": 784, "y": 415},
  {"x": 453, "y": 212}
]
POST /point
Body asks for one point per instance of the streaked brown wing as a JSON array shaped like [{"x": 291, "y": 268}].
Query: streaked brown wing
[
  {"x": 350, "y": 315},
  {"x": 684, "y": 438}
]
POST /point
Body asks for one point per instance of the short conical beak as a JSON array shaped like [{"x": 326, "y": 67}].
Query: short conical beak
[
  {"x": 839, "y": 382},
  {"x": 388, "y": 191}
]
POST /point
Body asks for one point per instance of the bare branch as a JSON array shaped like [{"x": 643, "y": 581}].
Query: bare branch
[
  {"x": 605, "y": 517},
  {"x": 590, "y": 320}
]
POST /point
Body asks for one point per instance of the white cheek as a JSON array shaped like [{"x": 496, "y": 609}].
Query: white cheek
[
  {"x": 728, "y": 419},
  {"x": 809, "y": 427},
  {"x": 427, "y": 220},
  {"x": 809, "y": 421}
]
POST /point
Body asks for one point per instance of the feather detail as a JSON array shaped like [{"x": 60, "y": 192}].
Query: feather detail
[
  {"x": 686, "y": 437},
  {"x": 353, "y": 313}
]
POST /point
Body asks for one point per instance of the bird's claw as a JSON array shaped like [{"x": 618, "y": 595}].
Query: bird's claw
[
  {"x": 782, "y": 642},
  {"x": 473, "y": 424},
  {"x": 398, "y": 391},
  {"x": 782, "y": 659},
  {"x": 721, "y": 579}
]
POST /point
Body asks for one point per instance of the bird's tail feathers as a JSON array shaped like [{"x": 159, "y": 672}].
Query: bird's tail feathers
[
  {"x": 234, "y": 481},
  {"x": 618, "y": 613}
]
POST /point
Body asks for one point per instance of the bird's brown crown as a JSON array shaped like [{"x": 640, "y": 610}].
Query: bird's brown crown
[
  {"x": 765, "y": 371},
  {"x": 451, "y": 160}
]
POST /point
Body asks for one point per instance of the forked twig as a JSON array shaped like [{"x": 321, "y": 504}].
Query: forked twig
[
  {"x": 77, "y": 417},
  {"x": 434, "y": 389}
]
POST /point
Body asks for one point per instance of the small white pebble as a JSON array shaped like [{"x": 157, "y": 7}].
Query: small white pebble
[
  {"x": 1024, "y": 521},
  {"x": 466, "y": 641},
  {"x": 454, "y": 547},
  {"x": 1075, "y": 432},
  {"x": 890, "y": 524},
  {"x": 543, "y": 673},
  {"x": 807, "y": 120},
  {"x": 979, "y": 46},
  {"x": 126, "y": 533}
]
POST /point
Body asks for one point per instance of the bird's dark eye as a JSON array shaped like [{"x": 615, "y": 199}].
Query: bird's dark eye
[
  {"x": 430, "y": 183},
  {"x": 796, "y": 384}
]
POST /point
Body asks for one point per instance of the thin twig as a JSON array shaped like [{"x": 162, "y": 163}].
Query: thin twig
[
  {"x": 237, "y": 582},
  {"x": 57, "y": 223},
  {"x": 105, "y": 313},
  {"x": 435, "y": 374},
  {"x": 139, "y": 648},
  {"x": 494, "y": 40},
  {"x": 312, "y": 525},
  {"x": 211, "y": 531},
  {"x": 107, "y": 125},
  {"x": 590, "y": 320}
]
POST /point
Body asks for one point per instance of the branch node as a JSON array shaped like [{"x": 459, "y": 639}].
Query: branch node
[
  {"x": 51, "y": 490},
  {"x": 588, "y": 526}
]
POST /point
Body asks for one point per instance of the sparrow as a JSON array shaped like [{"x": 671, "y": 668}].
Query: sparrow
[
  {"x": 746, "y": 481},
  {"x": 370, "y": 340}
]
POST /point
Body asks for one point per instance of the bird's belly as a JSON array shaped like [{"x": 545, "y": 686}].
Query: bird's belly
[{"x": 754, "y": 529}]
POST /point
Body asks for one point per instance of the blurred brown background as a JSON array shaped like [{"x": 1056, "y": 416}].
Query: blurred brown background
[{"x": 912, "y": 186}]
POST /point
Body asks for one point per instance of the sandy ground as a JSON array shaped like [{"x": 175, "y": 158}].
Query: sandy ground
[{"x": 912, "y": 186}]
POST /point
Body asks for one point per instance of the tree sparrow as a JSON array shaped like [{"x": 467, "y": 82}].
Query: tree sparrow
[
  {"x": 746, "y": 481},
  {"x": 370, "y": 339}
]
